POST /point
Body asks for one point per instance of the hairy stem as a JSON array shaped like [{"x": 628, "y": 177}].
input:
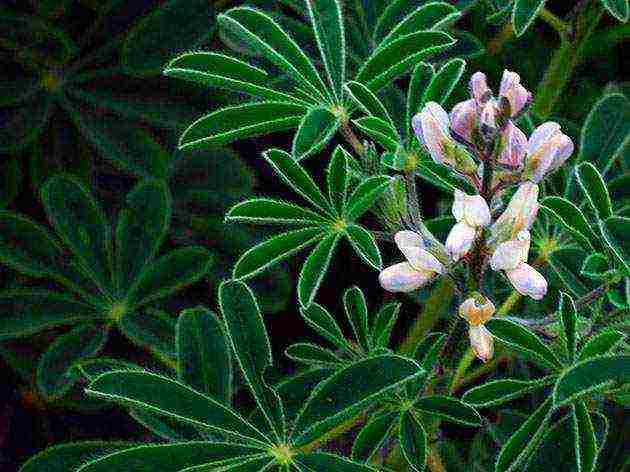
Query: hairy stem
[
  {"x": 350, "y": 136},
  {"x": 561, "y": 26}
]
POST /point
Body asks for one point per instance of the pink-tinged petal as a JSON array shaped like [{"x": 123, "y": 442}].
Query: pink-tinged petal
[
  {"x": 416, "y": 124},
  {"x": 479, "y": 89},
  {"x": 434, "y": 129},
  {"x": 514, "y": 144},
  {"x": 476, "y": 312},
  {"x": 541, "y": 135},
  {"x": 565, "y": 150},
  {"x": 459, "y": 200},
  {"x": 516, "y": 94},
  {"x": 464, "y": 119},
  {"x": 422, "y": 260},
  {"x": 488, "y": 116},
  {"x": 510, "y": 254},
  {"x": 481, "y": 342},
  {"x": 460, "y": 240},
  {"x": 437, "y": 113},
  {"x": 403, "y": 277},
  {"x": 471, "y": 209},
  {"x": 519, "y": 214},
  {"x": 528, "y": 281},
  {"x": 408, "y": 238}
]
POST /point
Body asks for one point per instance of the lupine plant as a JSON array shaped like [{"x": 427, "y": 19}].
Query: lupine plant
[{"x": 529, "y": 234}]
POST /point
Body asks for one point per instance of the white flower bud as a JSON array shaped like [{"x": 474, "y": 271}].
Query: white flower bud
[
  {"x": 510, "y": 254},
  {"x": 460, "y": 240},
  {"x": 403, "y": 277},
  {"x": 519, "y": 214},
  {"x": 527, "y": 281},
  {"x": 471, "y": 209},
  {"x": 547, "y": 149},
  {"x": 514, "y": 92},
  {"x": 412, "y": 246},
  {"x": 481, "y": 342}
]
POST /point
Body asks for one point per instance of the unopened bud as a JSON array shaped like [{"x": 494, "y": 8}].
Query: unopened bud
[
  {"x": 517, "y": 95},
  {"x": 513, "y": 146},
  {"x": 481, "y": 342},
  {"x": 431, "y": 126},
  {"x": 527, "y": 281},
  {"x": 471, "y": 209},
  {"x": 460, "y": 240},
  {"x": 510, "y": 254},
  {"x": 479, "y": 89},
  {"x": 547, "y": 149},
  {"x": 519, "y": 214},
  {"x": 464, "y": 119},
  {"x": 477, "y": 310}
]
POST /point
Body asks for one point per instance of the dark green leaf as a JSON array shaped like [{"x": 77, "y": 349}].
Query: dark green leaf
[
  {"x": 296, "y": 390},
  {"x": 432, "y": 16},
  {"x": 262, "y": 34},
  {"x": 384, "y": 324},
  {"x": 618, "y": 8},
  {"x": 151, "y": 329},
  {"x": 316, "y": 129},
  {"x": 142, "y": 225},
  {"x": 204, "y": 360},
  {"x": 594, "y": 189},
  {"x": 251, "y": 348},
  {"x": 444, "y": 82},
  {"x": 418, "y": 83},
  {"x": 596, "y": 266},
  {"x": 337, "y": 179},
  {"x": 365, "y": 196},
  {"x": 449, "y": 409},
  {"x": 396, "y": 57},
  {"x": 616, "y": 233},
  {"x": 169, "y": 274},
  {"x": 571, "y": 218},
  {"x": 274, "y": 250},
  {"x": 585, "y": 442},
  {"x": 600, "y": 344},
  {"x": 413, "y": 441},
  {"x": 497, "y": 392},
  {"x": 524, "y": 340},
  {"x": 348, "y": 391},
  {"x": 70, "y": 456},
  {"x": 381, "y": 131},
  {"x": 323, "y": 461},
  {"x": 315, "y": 268},
  {"x": 356, "y": 310},
  {"x": 318, "y": 318},
  {"x": 241, "y": 121},
  {"x": 368, "y": 101},
  {"x": 568, "y": 316},
  {"x": 81, "y": 224},
  {"x": 294, "y": 175},
  {"x": 520, "y": 445},
  {"x": 167, "y": 397},
  {"x": 525, "y": 12},
  {"x": 372, "y": 436},
  {"x": 268, "y": 211},
  {"x": 312, "y": 354},
  {"x": 590, "y": 375},
  {"x": 365, "y": 245},
  {"x": 55, "y": 373},
  {"x": 327, "y": 20}
]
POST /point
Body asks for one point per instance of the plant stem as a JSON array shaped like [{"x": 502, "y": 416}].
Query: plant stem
[
  {"x": 561, "y": 26},
  {"x": 351, "y": 137}
]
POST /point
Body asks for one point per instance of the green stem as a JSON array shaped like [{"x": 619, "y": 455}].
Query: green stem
[{"x": 561, "y": 26}]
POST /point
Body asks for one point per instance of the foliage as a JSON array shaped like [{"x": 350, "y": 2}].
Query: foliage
[{"x": 512, "y": 207}]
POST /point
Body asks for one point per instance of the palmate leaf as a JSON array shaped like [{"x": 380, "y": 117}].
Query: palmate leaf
[
  {"x": 203, "y": 355},
  {"x": 250, "y": 344},
  {"x": 432, "y": 16},
  {"x": 444, "y": 82},
  {"x": 263, "y": 34},
  {"x": 367, "y": 101},
  {"x": 337, "y": 179},
  {"x": 449, "y": 409},
  {"x": 383, "y": 324},
  {"x": 572, "y": 219},
  {"x": 568, "y": 316},
  {"x": 413, "y": 441},
  {"x": 620, "y": 9},
  {"x": 615, "y": 231},
  {"x": 364, "y": 245},
  {"x": 324, "y": 461},
  {"x": 316, "y": 129},
  {"x": 420, "y": 79},
  {"x": 164, "y": 396},
  {"x": 315, "y": 268},
  {"x": 373, "y": 435},
  {"x": 594, "y": 188},
  {"x": 365, "y": 195},
  {"x": 585, "y": 441},
  {"x": 348, "y": 391},
  {"x": 497, "y": 392},
  {"x": 318, "y": 318},
  {"x": 381, "y": 131},
  {"x": 69, "y": 456},
  {"x": 267, "y": 211},
  {"x": 241, "y": 121},
  {"x": 524, "y": 13},
  {"x": 599, "y": 344},
  {"x": 151, "y": 329},
  {"x": 312, "y": 354}
]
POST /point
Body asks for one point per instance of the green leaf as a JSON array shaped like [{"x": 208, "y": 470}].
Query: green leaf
[
  {"x": 368, "y": 101},
  {"x": 168, "y": 457},
  {"x": 241, "y": 121},
  {"x": 274, "y": 250},
  {"x": 142, "y": 226},
  {"x": 432, "y": 16},
  {"x": 600, "y": 344},
  {"x": 217, "y": 70},
  {"x": 251, "y": 348},
  {"x": 384, "y": 324},
  {"x": 203, "y": 356},
  {"x": 261, "y": 33},
  {"x": 525, "y": 12},
  {"x": 449, "y": 409},
  {"x": 441, "y": 177},
  {"x": 337, "y": 179},
  {"x": 321, "y": 461},
  {"x": 26, "y": 246},
  {"x": 164, "y": 427},
  {"x": 618, "y": 8},
  {"x": 152, "y": 329},
  {"x": 169, "y": 274},
  {"x": 268, "y": 211},
  {"x": 381, "y": 131},
  {"x": 356, "y": 310},
  {"x": 420, "y": 79},
  {"x": 524, "y": 340},
  {"x": 372, "y": 436},
  {"x": 55, "y": 373},
  {"x": 164, "y": 396},
  {"x": 82, "y": 226},
  {"x": 616, "y": 233},
  {"x": 315, "y": 268},
  {"x": 294, "y": 175},
  {"x": 26, "y": 311},
  {"x": 568, "y": 316},
  {"x": 585, "y": 442},
  {"x": 364, "y": 245},
  {"x": 365, "y": 196},
  {"x": 318, "y": 318},
  {"x": 571, "y": 218},
  {"x": 396, "y": 57},
  {"x": 70, "y": 456},
  {"x": 520, "y": 445},
  {"x": 594, "y": 189},
  {"x": 327, "y": 20},
  {"x": 498, "y": 392},
  {"x": 348, "y": 391},
  {"x": 413, "y": 441},
  {"x": 605, "y": 131},
  {"x": 590, "y": 375},
  {"x": 596, "y": 266},
  {"x": 312, "y": 354},
  {"x": 296, "y": 389},
  {"x": 428, "y": 350},
  {"x": 316, "y": 129},
  {"x": 172, "y": 27},
  {"x": 444, "y": 81}
]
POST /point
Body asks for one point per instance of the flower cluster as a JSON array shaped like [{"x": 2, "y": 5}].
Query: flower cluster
[{"x": 480, "y": 136}]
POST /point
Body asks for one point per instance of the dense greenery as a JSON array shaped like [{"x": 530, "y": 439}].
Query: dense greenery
[{"x": 492, "y": 222}]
